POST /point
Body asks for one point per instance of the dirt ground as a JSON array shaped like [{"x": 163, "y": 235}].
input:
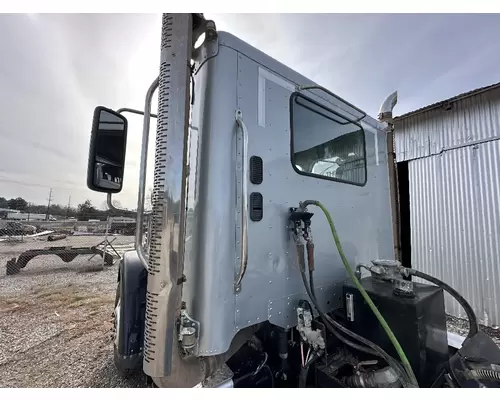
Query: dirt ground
[{"x": 56, "y": 320}]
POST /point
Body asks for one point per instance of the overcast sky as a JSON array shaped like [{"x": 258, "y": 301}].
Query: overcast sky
[{"x": 54, "y": 69}]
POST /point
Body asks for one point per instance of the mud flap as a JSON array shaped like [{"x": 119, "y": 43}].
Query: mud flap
[{"x": 131, "y": 294}]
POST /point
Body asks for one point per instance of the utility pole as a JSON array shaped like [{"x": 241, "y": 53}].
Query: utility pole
[
  {"x": 48, "y": 205},
  {"x": 69, "y": 205}
]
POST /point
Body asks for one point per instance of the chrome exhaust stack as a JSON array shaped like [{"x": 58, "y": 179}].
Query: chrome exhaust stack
[
  {"x": 385, "y": 113},
  {"x": 165, "y": 261},
  {"x": 386, "y": 116}
]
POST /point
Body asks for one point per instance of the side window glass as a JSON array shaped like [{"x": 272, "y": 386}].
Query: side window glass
[{"x": 326, "y": 145}]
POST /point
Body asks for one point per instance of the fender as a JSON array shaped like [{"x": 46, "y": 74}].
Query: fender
[{"x": 132, "y": 286}]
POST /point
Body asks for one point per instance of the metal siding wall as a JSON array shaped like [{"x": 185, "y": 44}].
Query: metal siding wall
[
  {"x": 455, "y": 224},
  {"x": 471, "y": 119},
  {"x": 454, "y": 192}
]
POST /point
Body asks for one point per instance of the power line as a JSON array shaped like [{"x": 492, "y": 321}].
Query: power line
[
  {"x": 48, "y": 205},
  {"x": 69, "y": 206},
  {"x": 29, "y": 184}
]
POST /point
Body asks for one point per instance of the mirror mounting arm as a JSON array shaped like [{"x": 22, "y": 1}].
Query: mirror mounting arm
[
  {"x": 142, "y": 173},
  {"x": 134, "y": 111},
  {"x": 109, "y": 201},
  {"x": 120, "y": 210}
]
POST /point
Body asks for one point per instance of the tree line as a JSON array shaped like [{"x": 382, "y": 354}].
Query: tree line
[{"x": 82, "y": 212}]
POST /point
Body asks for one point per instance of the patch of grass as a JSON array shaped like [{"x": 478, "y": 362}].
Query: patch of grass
[{"x": 55, "y": 299}]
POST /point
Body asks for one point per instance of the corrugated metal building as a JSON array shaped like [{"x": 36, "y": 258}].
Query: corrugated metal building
[{"x": 448, "y": 158}]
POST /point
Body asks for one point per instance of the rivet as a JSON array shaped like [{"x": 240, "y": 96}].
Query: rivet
[
  {"x": 258, "y": 318},
  {"x": 279, "y": 313},
  {"x": 237, "y": 311},
  {"x": 249, "y": 321},
  {"x": 270, "y": 282},
  {"x": 269, "y": 316},
  {"x": 271, "y": 309}
]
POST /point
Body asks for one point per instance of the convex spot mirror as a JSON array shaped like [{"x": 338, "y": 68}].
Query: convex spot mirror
[{"x": 108, "y": 143}]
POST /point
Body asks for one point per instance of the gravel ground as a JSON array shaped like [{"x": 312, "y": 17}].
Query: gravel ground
[
  {"x": 461, "y": 327},
  {"x": 56, "y": 321}
]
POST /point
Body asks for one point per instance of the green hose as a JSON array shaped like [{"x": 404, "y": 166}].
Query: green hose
[{"x": 383, "y": 322}]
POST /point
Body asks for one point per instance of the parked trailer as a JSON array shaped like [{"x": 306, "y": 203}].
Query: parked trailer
[
  {"x": 30, "y": 217},
  {"x": 123, "y": 225},
  {"x": 65, "y": 253}
]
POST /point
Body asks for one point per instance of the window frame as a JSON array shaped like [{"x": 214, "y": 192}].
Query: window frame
[{"x": 293, "y": 98}]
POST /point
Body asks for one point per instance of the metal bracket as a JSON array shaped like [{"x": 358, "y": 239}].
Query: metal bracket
[
  {"x": 210, "y": 47},
  {"x": 349, "y": 299},
  {"x": 203, "y": 26},
  {"x": 403, "y": 288},
  {"x": 134, "y": 111},
  {"x": 313, "y": 337},
  {"x": 189, "y": 333}
]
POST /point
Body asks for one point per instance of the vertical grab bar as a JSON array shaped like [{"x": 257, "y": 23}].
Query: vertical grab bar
[
  {"x": 244, "y": 202},
  {"x": 142, "y": 174}
]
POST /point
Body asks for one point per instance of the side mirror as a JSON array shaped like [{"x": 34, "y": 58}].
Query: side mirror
[{"x": 108, "y": 143}]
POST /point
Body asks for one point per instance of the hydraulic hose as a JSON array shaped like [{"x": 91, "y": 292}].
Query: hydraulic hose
[
  {"x": 485, "y": 374},
  {"x": 312, "y": 295},
  {"x": 473, "y": 325},
  {"x": 332, "y": 324},
  {"x": 331, "y": 327},
  {"x": 364, "y": 294}
]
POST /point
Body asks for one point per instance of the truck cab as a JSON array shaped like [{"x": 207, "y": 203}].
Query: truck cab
[
  {"x": 245, "y": 147},
  {"x": 260, "y": 139},
  {"x": 289, "y": 144}
]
